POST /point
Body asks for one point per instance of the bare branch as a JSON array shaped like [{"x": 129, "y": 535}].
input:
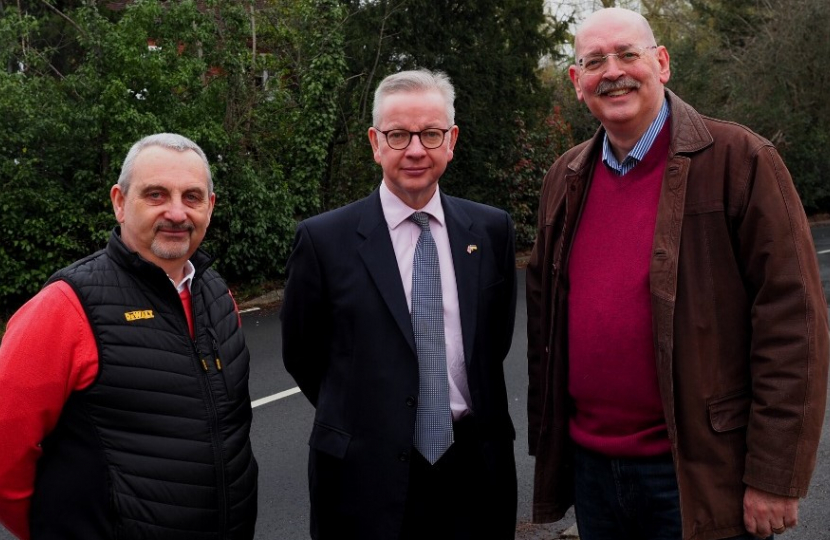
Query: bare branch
[
  {"x": 253, "y": 36},
  {"x": 64, "y": 15},
  {"x": 364, "y": 98}
]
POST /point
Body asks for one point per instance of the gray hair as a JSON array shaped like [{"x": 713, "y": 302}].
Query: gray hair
[
  {"x": 172, "y": 141},
  {"x": 421, "y": 80}
]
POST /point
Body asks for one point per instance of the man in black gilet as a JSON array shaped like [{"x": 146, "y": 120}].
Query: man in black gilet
[{"x": 125, "y": 379}]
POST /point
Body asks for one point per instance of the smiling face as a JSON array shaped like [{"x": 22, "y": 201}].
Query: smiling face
[
  {"x": 412, "y": 173},
  {"x": 166, "y": 211},
  {"x": 624, "y": 97}
]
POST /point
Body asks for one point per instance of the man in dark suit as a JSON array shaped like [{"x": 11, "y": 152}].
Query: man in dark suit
[{"x": 396, "y": 451}]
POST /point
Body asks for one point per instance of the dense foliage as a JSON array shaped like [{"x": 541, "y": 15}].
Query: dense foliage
[
  {"x": 491, "y": 51},
  {"x": 83, "y": 82},
  {"x": 762, "y": 63},
  {"x": 279, "y": 94}
]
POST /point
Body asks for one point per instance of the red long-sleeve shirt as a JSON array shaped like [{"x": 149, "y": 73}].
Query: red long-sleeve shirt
[{"x": 48, "y": 352}]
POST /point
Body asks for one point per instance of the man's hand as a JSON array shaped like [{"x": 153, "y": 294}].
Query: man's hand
[{"x": 766, "y": 513}]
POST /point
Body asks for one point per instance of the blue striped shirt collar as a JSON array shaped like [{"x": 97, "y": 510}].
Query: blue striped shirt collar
[{"x": 640, "y": 149}]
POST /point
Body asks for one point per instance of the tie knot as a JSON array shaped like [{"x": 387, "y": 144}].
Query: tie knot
[{"x": 422, "y": 219}]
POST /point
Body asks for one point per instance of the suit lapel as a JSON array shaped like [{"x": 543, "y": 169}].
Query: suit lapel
[
  {"x": 464, "y": 246},
  {"x": 379, "y": 257}
]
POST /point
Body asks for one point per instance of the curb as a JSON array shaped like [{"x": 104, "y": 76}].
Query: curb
[
  {"x": 274, "y": 298},
  {"x": 268, "y": 300}
]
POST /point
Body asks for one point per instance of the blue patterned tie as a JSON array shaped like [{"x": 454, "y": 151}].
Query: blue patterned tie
[{"x": 433, "y": 423}]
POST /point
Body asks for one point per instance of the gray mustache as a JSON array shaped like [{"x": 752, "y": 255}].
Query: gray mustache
[
  {"x": 621, "y": 84},
  {"x": 174, "y": 226}
]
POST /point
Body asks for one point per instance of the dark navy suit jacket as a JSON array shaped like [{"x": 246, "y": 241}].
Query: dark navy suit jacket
[{"x": 348, "y": 342}]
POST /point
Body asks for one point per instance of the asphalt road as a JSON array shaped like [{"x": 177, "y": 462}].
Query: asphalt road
[
  {"x": 281, "y": 428},
  {"x": 281, "y": 431}
]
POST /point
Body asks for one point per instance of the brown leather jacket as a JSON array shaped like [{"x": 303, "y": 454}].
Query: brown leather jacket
[{"x": 740, "y": 323}]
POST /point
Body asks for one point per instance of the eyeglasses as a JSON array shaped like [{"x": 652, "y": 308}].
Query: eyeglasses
[
  {"x": 398, "y": 139},
  {"x": 596, "y": 62}
]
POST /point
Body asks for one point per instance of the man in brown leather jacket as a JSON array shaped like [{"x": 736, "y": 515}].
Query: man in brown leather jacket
[{"x": 677, "y": 327}]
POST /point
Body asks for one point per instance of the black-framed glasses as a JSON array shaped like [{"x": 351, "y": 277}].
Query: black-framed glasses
[
  {"x": 593, "y": 63},
  {"x": 430, "y": 138}
]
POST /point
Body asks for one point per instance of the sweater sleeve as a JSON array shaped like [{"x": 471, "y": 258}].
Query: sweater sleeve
[{"x": 48, "y": 352}]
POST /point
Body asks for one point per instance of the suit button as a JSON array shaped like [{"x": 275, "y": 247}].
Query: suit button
[
  {"x": 410, "y": 401},
  {"x": 404, "y": 456}
]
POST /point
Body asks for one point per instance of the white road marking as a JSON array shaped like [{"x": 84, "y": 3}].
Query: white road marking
[
  {"x": 296, "y": 389},
  {"x": 275, "y": 397}
]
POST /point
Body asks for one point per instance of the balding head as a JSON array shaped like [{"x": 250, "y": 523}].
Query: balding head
[{"x": 598, "y": 21}]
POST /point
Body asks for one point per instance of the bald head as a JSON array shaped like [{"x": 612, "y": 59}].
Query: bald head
[{"x": 600, "y": 21}]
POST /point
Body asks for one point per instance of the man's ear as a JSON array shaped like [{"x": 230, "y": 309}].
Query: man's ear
[
  {"x": 573, "y": 74},
  {"x": 373, "y": 140},
  {"x": 665, "y": 64},
  {"x": 453, "y": 133},
  {"x": 118, "y": 200},
  {"x": 212, "y": 200}
]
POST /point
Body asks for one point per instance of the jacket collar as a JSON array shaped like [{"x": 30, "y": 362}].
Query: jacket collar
[
  {"x": 132, "y": 261},
  {"x": 688, "y": 134}
]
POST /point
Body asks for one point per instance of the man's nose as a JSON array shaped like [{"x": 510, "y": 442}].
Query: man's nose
[
  {"x": 613, "y": 68},
  {"x": 176, "y": 210},
  {"x": 415, "y": 146}
]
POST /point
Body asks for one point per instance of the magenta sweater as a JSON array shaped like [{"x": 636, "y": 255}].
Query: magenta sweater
[{"x": 612, "y": 373}]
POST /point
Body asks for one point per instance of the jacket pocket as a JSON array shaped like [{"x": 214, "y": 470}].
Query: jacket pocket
[
  {"x": 730, "y": 411},
  {"x": 494, "y": 282},
  {"x": 330, "y": 440}
]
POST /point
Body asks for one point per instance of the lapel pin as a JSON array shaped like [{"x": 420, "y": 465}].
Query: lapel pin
[{"x": 471, "y": 248}]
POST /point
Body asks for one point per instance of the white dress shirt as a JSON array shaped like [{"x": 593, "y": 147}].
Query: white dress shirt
[{"x": 189, "y": 274}]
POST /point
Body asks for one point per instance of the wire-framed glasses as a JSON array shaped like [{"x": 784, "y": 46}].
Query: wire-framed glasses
[
  {"x": 430, "y": 138},
  {"x": 594, "y": 63}
]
